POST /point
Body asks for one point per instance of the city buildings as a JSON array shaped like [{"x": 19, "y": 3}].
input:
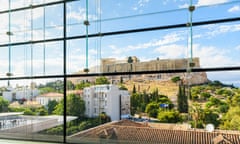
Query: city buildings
[
  {"x": 20, "y": 93},
  {"x": 44, "y": 40}
]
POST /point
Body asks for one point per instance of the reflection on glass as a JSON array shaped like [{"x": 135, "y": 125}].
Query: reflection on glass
[
  {"x": 26, "y": 110},
  {"x": 141, "y": 87},
  {"x": 212, "y": 49}
]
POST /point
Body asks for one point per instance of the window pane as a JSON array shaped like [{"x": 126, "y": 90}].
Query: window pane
[
  {"x": 125, "y": 70},
  {"x": 26, "y": 110}
]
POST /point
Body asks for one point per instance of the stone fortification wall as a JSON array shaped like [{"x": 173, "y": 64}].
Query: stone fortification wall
[{"x": 113, "y": 65}]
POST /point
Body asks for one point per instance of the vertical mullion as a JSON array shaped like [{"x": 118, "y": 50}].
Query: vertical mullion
[{"x": 64, "y": 72}]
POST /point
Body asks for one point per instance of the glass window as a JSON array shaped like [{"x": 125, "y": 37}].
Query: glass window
[{"x": 67, "y": 68}]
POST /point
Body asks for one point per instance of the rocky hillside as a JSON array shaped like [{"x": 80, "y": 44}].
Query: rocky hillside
[{"x": 166, "y": 87}]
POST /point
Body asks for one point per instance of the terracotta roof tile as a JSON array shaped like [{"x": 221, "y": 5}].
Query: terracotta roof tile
[
  {"x": 51, "y": 94},
  {"x": 121, "y": 132}
]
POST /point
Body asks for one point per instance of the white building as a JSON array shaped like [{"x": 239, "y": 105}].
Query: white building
[
  {"x": 20, "y": 93},
  {"x": 45, "y": 98},
  {"x": 125, "y": 103},
  {"x": 105, "y": 98}
]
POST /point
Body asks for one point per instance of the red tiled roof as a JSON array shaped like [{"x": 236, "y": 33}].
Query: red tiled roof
[
  {"x": 79, "y": 92},
  {"x": 129, "y": 123},
  {"x": 51, "y": 94},
  {"x": 118, "y": 132}
]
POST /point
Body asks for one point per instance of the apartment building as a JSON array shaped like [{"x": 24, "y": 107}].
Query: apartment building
[
  {"x": 107, "y": 99},
  {"x": 12, "y": 94},
  {"x": 45, "y": 98}
]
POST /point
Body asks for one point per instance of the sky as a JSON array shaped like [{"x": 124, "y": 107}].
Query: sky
[{"x": 216, "y": 45}]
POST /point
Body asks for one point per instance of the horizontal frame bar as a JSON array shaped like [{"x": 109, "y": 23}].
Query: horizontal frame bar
[
  {"x": 127, "y": 31},
  {"x": 212, "y": 69}
]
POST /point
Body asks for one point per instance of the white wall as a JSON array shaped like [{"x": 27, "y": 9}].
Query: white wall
[
  {"x": 109, "y": 104},
  {"x": 20, "y": 94},
  {"x": 7, "y": 95}
]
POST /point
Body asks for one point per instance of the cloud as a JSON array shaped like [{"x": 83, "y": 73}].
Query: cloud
[
  {"x": 235, "y": 8},
  {"x": 211, "y": 56},
  {"x": 214, "y": 30},
  {"x": 168, "y": 39},
  {"x": 115, "y": 50},
  {"x": 76, "y": 63},
  {"x": 77, "y": 15},
  {"x": 210, "y": 2},
  {"x": 171, "y": 51},
  {"x": 140, "y": 4},
  {"x": 23, "y": 67},
  {"x": 186, "y": 5},
  {"x": 237, "y": 47},
  {"x": 80, "y": 14}
]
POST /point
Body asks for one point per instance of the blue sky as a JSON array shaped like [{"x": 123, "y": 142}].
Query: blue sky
[{"x": 217, "y": 45}]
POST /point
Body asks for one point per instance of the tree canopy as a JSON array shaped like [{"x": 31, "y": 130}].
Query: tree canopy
[
  {"x": 231, "y": 119},
  {"x": 75, "y": 106},
  {"x": 169, "y": 116},
  {"x": 102, "y": 80},
  {"x": 51, "y": 106},
  {"x": 3, "y": 105},
  {"x": 82, "y": 85}
]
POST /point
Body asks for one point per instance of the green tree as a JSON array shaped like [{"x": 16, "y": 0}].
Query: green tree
[
  {"x": 205, "y": 95},
  {"x": 75, "y": 106},
  {"x": 195, "y": 91},
  {"x": 130, "y": 61},
  {"x": 215, "y": 83},
  {"x": 3, "y": 104},
  {"x": 122, "y": 87},
  {"x": 28, "y": 111},
  {"x": 223, "y": 108},
  {"x": 169, "y": 116},
  {"x": 152, "y": 109},
  {"x": 102, "y": 80},
  {"x": 55, "y": 131},
  {"x": 235, "y": 100},
  {"x": 82, "y": 85},
  {"x": 70, "y": 85},
  {"x": 225, "y": 92},
  {"x": 55, "y": 86},
  {"x": 51, "y": 106},
  {"x": 231, "y": 119},
  {"x": 182, "y": 100},
  {"x": 121, "y": 80},
  {"x": 210, "y": 116},
  {"x": 145, "y": 100},
  {"x": 135, "y": 101},
  {"x": 104, "y": 118},
  {"x": 134, "y": 89},
  {"x": 176, "y": 79},
  {"x": 197, "y": 114},
  {"x": 154, "y": 96},
  {"x": 41, "y": 111},
  {"x": 44, "y": 90},
  {"x": 84, "y": 125},
  {"x": 213, "y": 102}
]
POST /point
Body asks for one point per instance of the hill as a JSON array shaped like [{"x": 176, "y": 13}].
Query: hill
[{"x": 165, "y": 87}]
